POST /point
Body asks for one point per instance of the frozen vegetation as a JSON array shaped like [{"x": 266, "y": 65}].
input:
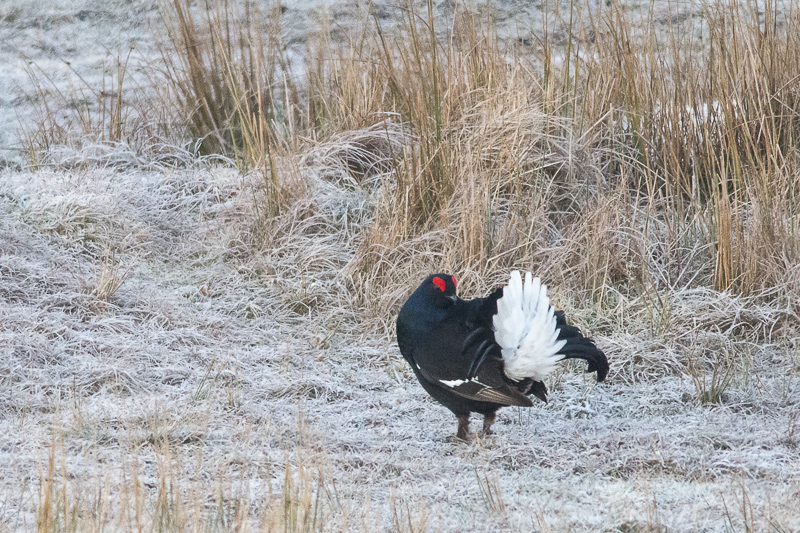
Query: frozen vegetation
[{"x": 171, "y": 359}]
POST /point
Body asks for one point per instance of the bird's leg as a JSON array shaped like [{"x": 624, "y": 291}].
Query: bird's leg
[
  {"x": 488, "y": 420},
  {"x": 463, "y": 427}
]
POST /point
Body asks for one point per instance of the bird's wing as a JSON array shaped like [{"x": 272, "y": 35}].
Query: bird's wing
[
  {"x": 467, "y": 362},
  {"x": 488, "y": 386}
]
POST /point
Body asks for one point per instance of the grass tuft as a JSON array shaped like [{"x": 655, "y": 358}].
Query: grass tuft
[{"x": 642, "y": 160}]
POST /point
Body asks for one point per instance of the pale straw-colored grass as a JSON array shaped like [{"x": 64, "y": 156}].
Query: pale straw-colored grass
[{"x": 244, "y": 375}]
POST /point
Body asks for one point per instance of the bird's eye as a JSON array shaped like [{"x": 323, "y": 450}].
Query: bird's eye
[
  {"x": 439, "y": 282},
  {"x": 454, "y": 281}
]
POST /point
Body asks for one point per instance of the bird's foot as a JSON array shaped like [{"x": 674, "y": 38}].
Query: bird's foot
[
  {"x": 488, "y": 420},
  {"x": 463, "y": 428}
]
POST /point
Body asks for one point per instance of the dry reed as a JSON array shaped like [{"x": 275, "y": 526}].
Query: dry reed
[{"x": 646, "y": 166}]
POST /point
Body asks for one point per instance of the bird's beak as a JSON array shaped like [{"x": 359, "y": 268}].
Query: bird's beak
[{"x": 453, "y": 297}]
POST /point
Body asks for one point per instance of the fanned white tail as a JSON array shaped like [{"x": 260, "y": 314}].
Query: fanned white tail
[{"x": 525, "y": 329}]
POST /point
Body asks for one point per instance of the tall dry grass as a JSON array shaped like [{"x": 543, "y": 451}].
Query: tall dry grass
[
  {"x": 623, "y": 156},
  {"x": 631, "y": 156},
  {"x": 651, "y": 122}
]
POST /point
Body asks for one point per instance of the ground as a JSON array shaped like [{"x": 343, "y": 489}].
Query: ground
[{"x": 228, "y": 368}]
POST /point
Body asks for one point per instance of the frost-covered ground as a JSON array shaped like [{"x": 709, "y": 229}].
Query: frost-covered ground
[
  {"x": 234, "y": 351},
  {"x": 204, "y": 343}
]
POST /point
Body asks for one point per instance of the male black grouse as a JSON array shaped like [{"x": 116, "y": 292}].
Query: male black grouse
[{"x": 487, "y": 353}]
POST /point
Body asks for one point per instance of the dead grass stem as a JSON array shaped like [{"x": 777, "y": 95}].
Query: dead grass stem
[{"x": 644, "y": 164}]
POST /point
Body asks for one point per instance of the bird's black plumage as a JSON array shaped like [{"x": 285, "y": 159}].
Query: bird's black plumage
[{"x": 451, "y": 347}]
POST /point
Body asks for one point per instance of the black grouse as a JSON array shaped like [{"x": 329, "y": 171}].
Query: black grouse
[{"x": 487, "y": 353}]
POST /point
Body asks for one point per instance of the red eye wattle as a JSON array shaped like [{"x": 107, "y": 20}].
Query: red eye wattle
[
  {"x": 454, "y": 281},
  {"x": 439, "y": 282}
]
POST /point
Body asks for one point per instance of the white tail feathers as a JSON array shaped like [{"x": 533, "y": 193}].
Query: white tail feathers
[{"x": 525, "y": 329}]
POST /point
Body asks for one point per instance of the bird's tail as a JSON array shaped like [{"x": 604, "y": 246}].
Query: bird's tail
[
  {"x": 526, "y": 329},
  {"x": 579, "y": 347},
  {"x": 533, "y": 337}
]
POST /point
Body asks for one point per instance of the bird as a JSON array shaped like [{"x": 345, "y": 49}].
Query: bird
[{"x": 476, "y": 356}]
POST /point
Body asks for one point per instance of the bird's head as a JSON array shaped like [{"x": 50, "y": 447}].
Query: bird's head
[{"x": 440, "y": 289}]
